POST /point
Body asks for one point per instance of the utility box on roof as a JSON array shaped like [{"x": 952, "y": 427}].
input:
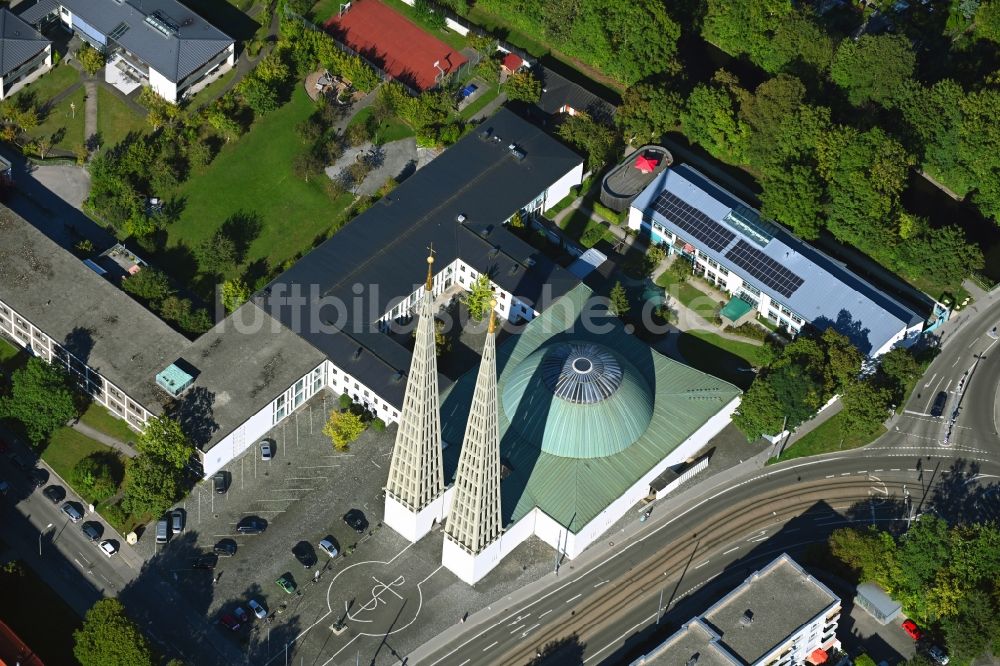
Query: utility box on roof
[{"x": 174, "y": 379}]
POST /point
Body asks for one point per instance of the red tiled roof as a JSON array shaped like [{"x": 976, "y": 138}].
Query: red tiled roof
[{"x": 512, "y": 61}]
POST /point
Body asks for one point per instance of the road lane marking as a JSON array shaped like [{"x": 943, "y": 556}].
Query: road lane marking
[
  {"x": 465, "y": 662},
  {"x": 602, "y": 583},
  {"x": 830, "y": 476},
  {"x": 517, "y": 629},
  {"x": 490, "y": 645},
  {"x": 912, "y": 413},
  {"x": 846, "y": 474},
  {"x": 931, "y": 380},
  {"x": 528, "y": 630},
  {"x": 544, "y": 614},
  {"x": 894, "y": 469},
  {"x": 731, "y": 550},
  {"x": 574, "y": 598},
  {"x": 702, "y": 564},
  {"x": 882, "y": 470}
]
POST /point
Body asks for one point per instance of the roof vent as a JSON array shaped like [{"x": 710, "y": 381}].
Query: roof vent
[
  {"x": 693, "y": 660},
  {"x": 494, "y": 252},
  {"x": 513, "y": 269},
  {"x": 176, "y": 377},
  {"x": 747, "y": 619},
  {"x": 488, "y": 230},
  {"x": 460, "y": 218},
  {"x": 486, "y": 133},
  {"x": 398, "y": 377},
  {"x": 357, "y": 353},
  {"x": 516, "y": 152}
]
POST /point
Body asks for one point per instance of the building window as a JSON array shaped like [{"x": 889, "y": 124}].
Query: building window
[{"x": 279, "y": 409}]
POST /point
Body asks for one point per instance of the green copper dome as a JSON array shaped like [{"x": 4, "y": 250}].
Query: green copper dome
[{"x": 577, "y": 400}]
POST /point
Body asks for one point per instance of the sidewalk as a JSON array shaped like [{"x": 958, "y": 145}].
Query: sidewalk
[{"x": 107, "y": 440}]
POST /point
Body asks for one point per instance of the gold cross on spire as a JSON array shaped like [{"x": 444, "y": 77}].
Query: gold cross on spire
[
  {"x": 430, "y": 268},
  {"x": 493, "y": 317}
]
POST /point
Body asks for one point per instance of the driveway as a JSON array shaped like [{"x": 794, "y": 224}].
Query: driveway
[{"x": 398, "y": 160}]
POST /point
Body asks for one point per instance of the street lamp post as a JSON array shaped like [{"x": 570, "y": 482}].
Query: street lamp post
[{"x": 40, "y": 534}]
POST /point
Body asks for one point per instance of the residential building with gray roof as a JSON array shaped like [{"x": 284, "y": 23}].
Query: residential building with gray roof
[
  {"x": 24, "y": 53},
  {"x": 783, "y": 278},
  {"x": 780, "y": 615},
  {"x": 159, "y": 43}
]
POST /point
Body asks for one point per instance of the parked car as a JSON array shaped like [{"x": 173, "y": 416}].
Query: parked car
[
  {"x": 92, "y": 530},
  {"x": 937, "y": 653},
  {"x": 177, "y": 521},
  {"x": 20, "y": 462},
  {"x": 911, "y": 628},
  {"x": 4, "y": 487},
  {"x": 251, "y": 525},
  {"x": 70, "y": 509},
  {"x": 55, "y": 494},
  {"x": 37, "y": 477},
  {"x": 219, "y": 482},
  {"x": 286, "y": 583},
  {"x": 109, "y": 548},
  {"x": 304, "y": 553},
  {"x": 206, "y": 561},
  {"x": 257, "y": 609},
  {"x": 229, "y": 622},
  {"x": 266, "y": 452},
  {"x": 162, "y": 530},
  {"x": 939, "y": 402},
  {"x": 225, "y": 548},
  {"x": 329, "y": 546},
  {"x": 356, "y": 520},
  {"x": 241, "y": 614}
]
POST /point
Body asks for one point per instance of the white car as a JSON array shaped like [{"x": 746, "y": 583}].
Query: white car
[
  {"x": 265, "y": 450},
  {"x": 108, "y": 548},
  {"x": 257, "y": 609},
  {"x": 326, "y": 545}
]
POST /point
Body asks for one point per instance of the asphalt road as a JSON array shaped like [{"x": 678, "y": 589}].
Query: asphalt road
[
  {"x": 82, "y": 574},
  {"x": 605, "y": 608}
]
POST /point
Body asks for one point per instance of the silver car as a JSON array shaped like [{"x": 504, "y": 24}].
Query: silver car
[
  {"x": 257, "y": 609},
  {"x": 328, "y": 547},
  {"x": 266, "y": 453}
]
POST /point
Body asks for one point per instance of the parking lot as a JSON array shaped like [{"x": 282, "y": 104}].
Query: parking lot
[{"x": 367, "y": 600}]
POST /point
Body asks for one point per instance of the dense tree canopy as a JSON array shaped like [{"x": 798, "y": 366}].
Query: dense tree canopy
[
  {"x": 109, "y": 638},
  {"x": 41, "y": 398},
  {"x": 712, "y": 119},
  {"x": 595, "y": 140},
  {"x": 874, "y": 68},
  {"x": 648, "y": 111}
]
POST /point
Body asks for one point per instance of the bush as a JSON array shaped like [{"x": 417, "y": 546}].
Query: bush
[
  {"x": 91, "y": 59},
  {"x": 378, "y": 425},
  {"x": 345, "y": 401},
  {"x": 116, "y": 515},
  {"x": 94, "y": 477}
]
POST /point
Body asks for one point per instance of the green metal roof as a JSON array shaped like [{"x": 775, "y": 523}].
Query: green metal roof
[
  {"x": 594, "y": 429},
  {"x": 173, "y": 379},
  {"x": 735, "y": 308},
  {"x": 555, "y": 463}
]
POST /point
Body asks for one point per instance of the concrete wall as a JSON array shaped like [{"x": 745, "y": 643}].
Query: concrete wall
[
  {"x": 414, "y": 526},
  {"x": 676, "y": 483},
  {"x": 559, "y": 190},
  {"x": 162, "y": 86}
]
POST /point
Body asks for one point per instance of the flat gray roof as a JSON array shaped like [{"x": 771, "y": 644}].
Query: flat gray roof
[
  {"x": 829, "y": 295},
  {"x": 19, "y": 42},
  {"x": 96, "y": 321},
  {"x": 243, "y": 363},
  {"x": 693, "y": 639},
  {"x": 782, "y": 598}
]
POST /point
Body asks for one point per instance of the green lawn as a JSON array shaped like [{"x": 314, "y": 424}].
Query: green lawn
[
  {"x": 254, "y": 175},
  {"x": 62, "y": 124},
  {"x": 68, "y": 447},
  {"x": 731, "y": 362},
  {"x": 392, "y": 129},
  {"x": 479, "y": 104},
  {"x": 115, "y": 118},
  {"x": 587, "y": 231},
  {"x": 99, "y": 418},
  {"x": 7, "y": 352},
  {"x": 213, "y": 90},
  {"x": 751, "y": 353},
  {"x": 689, "y": 295},
  {"x": 51, "y": 84},
  {"x": 828, "y": 437},
  {"x": 449, "y": 37}
]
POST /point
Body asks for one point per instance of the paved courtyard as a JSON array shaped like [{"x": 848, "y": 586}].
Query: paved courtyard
[{"x": 378, "y": 588}]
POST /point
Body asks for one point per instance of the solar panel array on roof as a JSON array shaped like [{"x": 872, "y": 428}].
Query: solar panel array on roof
[
  {"x": 690, "y": 219},
  {"x": 764, "y": 268}
]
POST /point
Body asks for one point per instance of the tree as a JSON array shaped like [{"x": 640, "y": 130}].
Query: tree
[
  {"x": 477, "y": 300},
  {"x": 794, "y": 197},
  {"x": 41, "y": 399},
  {"x": 897, "y": 369},
  {"x": 648, "y": 111},
  {"x": 759, "y": 412},
  {"x": 164, "y": 440},
  {"x": 969, "y": 633},
  {"x": 109, "y": 638},
  {"x": 979, "y": 147},
  {"x": 228, "y": 128},
  {"x": 151, "y": 485},
  {"x": 149, "y": 284},
  {"x": 987, "y": 21},
  {"x": 307, "y": 165},
  {"x": 943, "y": 252},
  {"x": 235, "y": 293},
  {"x": 217, "y": 254},
  {"x": 874, "y": 68},
  {"x": 710, "y": 119},
  {"x": 619, "y": 305},
  {"x": 343, "y": 428},
  {"x": 864, "y": 660},
  {"x": 90, "y": 59},
  {"x": 799, "y": 44},
  {"x": 94, "y": 477},
  {"x": 594, "y": 139},
  {"x": 523, "y": 86},
  {"x": 870, "y": 552},
  {"x": 843, "y": 361},
  {"x": 865, "y": 407},
  {"x": 259, "y": 94}
]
